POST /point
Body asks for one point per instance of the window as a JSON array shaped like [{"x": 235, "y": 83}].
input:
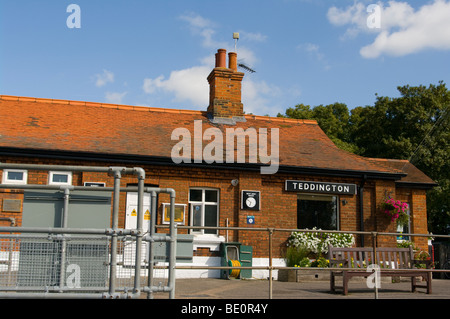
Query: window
[
  {"x": 14, "y": 176},
  {"x": 320, "y": 211},
  {"x": 60, "y": 178},
  {"x": 204, "y": 209},
  {"x": 404, "y": 229}
]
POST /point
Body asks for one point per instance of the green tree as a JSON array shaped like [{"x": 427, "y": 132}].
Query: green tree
[
  {"x": 333, "y": 119},
  {"x": 413, "y": 126}
]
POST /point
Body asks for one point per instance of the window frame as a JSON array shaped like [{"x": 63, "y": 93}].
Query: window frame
[
  {"x": 7, "y": 181},
  {"x": 338, "y": 210},
  {"x": 402, "y": 229},
  {"x": 203, "y": 203},
  {"x": 52, "y": 173}
]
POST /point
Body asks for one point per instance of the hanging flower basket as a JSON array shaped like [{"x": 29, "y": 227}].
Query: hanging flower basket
[{"x": 396, "y": 210}]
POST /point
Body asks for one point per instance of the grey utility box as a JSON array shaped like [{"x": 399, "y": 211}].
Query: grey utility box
[
  {"x": 51, "y": 260},
  {"x": 184, "y": 249},
  {"x": 87, "y": 209}
]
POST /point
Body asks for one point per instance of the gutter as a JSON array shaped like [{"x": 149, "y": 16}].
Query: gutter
[{"x": 167, "y": 161}]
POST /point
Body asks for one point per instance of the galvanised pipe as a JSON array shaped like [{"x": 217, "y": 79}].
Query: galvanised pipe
[
  {"x": 151, "y": 252},
  {"x": 64, "y": 223},
  {"x": 140, "y": 219},
  {"x": 173, "y": 245},
  {"x": 115, "y": 222}
]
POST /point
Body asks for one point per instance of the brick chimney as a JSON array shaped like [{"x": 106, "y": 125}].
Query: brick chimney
[{"x": 225, "y": 88}]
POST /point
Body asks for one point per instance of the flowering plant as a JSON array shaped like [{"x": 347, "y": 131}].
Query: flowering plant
[
  {"x": 317, "y": 242},
  {"x": 396, "y": 210}
]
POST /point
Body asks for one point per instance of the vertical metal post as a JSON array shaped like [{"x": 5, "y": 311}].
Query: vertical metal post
[
  {"x": 270, "y": 262},
  {"x": 64, "y": 223},
  {"x": 151, "y": 251},
  {"x": 375, "y": 261},
  {"x": 140, "y": 220},
  {"x": 173, "y": 245},
  {"x": 115, "y": 223}
]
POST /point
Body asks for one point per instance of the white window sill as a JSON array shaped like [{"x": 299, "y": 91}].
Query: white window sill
[{"x": 208, "y": 241}]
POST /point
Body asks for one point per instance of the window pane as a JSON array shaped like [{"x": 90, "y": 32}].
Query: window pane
[
  {"x": 211, "y": 196},
  {"x": 15, "y": 176},
  {"x": 210, "y": 218},
  {"x": 196, "y": 216},
  {"x": 195, "y": 195},
  {"x": 60, "y": 178},
  {"x": 317, "y": 211}
]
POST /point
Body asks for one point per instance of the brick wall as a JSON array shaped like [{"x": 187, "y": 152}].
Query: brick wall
[{"x": 278, "y": 207}]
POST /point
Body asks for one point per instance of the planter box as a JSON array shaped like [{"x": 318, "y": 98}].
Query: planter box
[
  {"x": 308, "y": 275},
  {"x": 303, "y": 275}
]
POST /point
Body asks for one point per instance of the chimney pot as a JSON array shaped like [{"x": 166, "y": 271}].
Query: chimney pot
[
  {"x": 221, "y": 58},
  {"x": 232, "y": 61}
]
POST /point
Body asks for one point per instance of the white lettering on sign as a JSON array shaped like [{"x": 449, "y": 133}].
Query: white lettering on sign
[{"x": 320, "y": 187}]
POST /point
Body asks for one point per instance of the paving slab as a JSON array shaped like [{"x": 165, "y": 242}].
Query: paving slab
[{"x": 211, "y": 288}]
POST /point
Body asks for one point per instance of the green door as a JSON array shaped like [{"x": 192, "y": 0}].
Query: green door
[{"x": 246, "y": 258}]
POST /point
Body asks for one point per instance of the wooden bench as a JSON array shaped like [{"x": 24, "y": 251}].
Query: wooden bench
[{"x": 388, "y": 259}]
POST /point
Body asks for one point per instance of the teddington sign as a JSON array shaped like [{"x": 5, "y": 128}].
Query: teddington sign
[{"x": 320, "y": 187}]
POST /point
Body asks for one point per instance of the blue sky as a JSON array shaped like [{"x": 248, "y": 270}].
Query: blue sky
[{"x": 159, "y": 53}]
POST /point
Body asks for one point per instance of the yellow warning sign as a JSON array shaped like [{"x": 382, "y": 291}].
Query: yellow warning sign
[
  {"x": 147, "y": 215},
  {"x": 133, "y": 213}
]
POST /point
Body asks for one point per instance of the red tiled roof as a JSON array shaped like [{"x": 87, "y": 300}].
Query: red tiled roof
[
  {"x": 414, "y": 175},
  {"x": 62, "y": 125}
]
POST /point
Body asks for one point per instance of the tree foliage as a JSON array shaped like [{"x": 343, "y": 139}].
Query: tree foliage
[{"x": 414, "y": 126}]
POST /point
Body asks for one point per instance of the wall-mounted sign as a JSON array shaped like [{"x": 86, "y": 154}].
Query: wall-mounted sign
[
  {"x": 320, "y": 187},
  {"x": 251, "y": 220},
  {"x": 94, "y": 184},
  {"x": 12, "y": 205},
  {"x": 250, "y": 200},
  {"x": 180, "y": 210}
]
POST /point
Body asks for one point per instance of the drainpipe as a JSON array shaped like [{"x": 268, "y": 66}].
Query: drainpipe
[{"x": 361, "y": 206}]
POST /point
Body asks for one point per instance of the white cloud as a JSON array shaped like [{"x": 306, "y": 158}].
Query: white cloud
[
  {"x": 204, "y": 28},
  {"x": 403, "y": 31},
  {"x": 258, "y": 97},
  {"x": 314, "y": 51},
  {"x": 253, "y": 36},
  {"x": 191, "y": 85},
  {"x": 114, "y": 97},
  {"x": 103, "y": 78},
  {"x": 186, "y": 85}
]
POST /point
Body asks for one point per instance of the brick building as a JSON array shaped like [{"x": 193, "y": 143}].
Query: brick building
[{"x": 308, "y": 181}]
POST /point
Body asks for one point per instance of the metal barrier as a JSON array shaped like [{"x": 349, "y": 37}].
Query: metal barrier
[
  {"x": 62, "y": 262},
  {"x": 272, "y": 231}
]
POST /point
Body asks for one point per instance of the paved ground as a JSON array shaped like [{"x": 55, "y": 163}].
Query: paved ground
[{"x": 259, "y": 289}]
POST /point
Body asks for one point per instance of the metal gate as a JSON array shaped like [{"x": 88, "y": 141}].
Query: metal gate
[{"x": 71, "y": 258}]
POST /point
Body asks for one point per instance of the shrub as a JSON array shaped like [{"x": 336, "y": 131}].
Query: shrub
[
  {"x": 317, "y": 242},
  {"x": 295, "y": 255}
]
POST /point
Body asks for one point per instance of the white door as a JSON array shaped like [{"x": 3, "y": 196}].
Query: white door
[
  {"x": 129, "y": 251},
  {"x": 131, "y": 211}
]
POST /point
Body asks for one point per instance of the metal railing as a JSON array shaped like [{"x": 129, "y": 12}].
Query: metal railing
[
  {"x": 53, "y": 262},
  {"x": 50, "y": 262},
  {"x": 270, "y": 267}
]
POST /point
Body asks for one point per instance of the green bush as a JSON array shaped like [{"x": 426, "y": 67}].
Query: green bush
[{"x": 295, "y": 255}]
